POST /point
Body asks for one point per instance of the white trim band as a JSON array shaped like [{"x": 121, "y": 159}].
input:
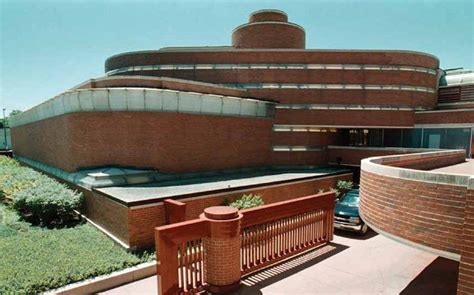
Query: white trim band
[{"x": 143, "y": 100}]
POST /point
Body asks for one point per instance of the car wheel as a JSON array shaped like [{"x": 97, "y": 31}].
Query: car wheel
[{"x": 363, "y": 229}]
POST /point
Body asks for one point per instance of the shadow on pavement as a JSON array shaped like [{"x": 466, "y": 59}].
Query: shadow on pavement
[
  {"x": 353, "y": 235},
  {"x": 253, "y": 283},
  {"x": 440, "y": 277}
]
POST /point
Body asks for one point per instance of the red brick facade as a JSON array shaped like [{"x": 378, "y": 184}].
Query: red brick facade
[
  {"x": 345, "y": 117},
  {"x": 171, "y": 142}
]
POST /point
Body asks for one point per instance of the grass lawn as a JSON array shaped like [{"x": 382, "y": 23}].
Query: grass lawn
[{"x": 35, "y": 259}]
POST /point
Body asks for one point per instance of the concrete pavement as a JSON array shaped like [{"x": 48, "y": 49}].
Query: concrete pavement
[{"x": 349, "y": 265}]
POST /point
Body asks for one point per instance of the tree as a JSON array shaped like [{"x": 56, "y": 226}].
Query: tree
[{"x": 12, "y": 113}]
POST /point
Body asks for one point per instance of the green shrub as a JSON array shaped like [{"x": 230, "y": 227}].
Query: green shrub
[
  {"x": 49, "y": 201},
  {"x": 335, "y": 191},
  {"x": 345, "y": 185},
  {"x": 247, "y": 201},
  {"x": 36, "y": 196}
]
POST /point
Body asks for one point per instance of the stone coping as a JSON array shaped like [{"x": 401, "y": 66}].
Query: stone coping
[
  {"x": 140, "y": 99},
  {"x": 377, "y": 165}
]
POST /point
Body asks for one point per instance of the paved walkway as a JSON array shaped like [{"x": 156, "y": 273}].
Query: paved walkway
[{"x": 350, "y": 265}]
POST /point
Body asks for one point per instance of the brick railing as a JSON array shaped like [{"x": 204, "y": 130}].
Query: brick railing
[
  {"x": 425, "y": 209},
  {"x": 274, "y": 232},
  {"x": 214, "y": 251}
]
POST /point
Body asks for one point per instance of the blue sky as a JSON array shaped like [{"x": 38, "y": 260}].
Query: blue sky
[{"x": 49, "y": 46}]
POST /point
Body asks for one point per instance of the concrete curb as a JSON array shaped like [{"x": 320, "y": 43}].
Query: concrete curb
[{"x": 108, "y": 281}]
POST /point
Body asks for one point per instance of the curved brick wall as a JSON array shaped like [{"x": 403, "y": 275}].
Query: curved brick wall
[
  {"x": 348, "y": 96},
  {"x": 417, "y": 207},
  {"x": 275, "y": 56},
  {"x": 429, "y": 210},
  {"x": 309, "y": 75},
  {"x": 298, "y": 76},
  {"x": 269, "y": 34}
]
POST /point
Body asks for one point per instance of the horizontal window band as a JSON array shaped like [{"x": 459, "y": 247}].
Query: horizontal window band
[
  {"x": 303, "y": 129},
  {"x": 329, "y": 86},
  {"x": 347, "y": 107},
  {"x": 297, "y": 148},
  {"x": 144, "y": 100},
  {"x": 354, "y": 67},
  {"x": 331, "y": 128}
]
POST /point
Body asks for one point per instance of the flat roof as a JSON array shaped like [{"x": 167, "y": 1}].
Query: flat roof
[{"x": 202, "y": 185}]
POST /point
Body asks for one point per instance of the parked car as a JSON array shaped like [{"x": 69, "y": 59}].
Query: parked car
[{"x": 347, "y": 213}]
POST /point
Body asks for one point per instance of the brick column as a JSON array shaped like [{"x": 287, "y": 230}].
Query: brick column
[
  {"x": 222, "y": 249},
  {"x": 466, "y": 265}
]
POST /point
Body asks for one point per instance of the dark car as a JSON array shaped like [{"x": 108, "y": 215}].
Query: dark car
[{"x": 347, "y": 213}]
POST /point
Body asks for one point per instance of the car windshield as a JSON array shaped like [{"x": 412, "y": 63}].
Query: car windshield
[{"x": 350, "y": 200}]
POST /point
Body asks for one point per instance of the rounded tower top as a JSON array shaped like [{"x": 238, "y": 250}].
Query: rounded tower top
[
  {"x": 269, "y": 28},
  {"x": 268, "y": 15}
]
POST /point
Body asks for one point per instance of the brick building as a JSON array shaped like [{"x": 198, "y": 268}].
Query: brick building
[{"x": 264, "y": 101}]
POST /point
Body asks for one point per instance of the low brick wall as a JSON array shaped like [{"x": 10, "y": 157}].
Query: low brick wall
[
  {"x": 428, "y": 210},
  {"x": 429, "y": 214},
  {"x": 135, "y": 225}
]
